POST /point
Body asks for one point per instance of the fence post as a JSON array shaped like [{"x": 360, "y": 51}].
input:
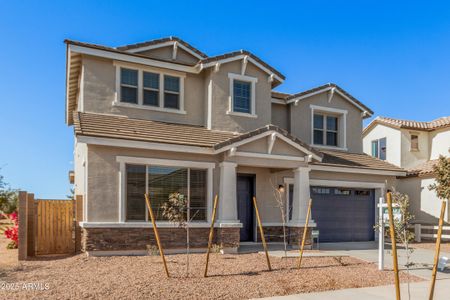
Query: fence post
[
  {"x": 23, "y": 225},
  {"x": 31, "y": 251},
  {"x": 417, "y": 233},
  {"x": 78, "y": 209}
]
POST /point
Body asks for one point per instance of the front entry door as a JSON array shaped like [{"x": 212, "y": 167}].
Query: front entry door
[{"x": 245, "y": 192}]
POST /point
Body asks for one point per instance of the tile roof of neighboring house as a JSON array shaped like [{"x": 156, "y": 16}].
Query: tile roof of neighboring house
[
  {"x": 355, "y": 160},
  {"x": 161, "y": 41},
  {"x": 328, "y": 86},
  {"x": 109, "y": 126},
  {"x": 241, "y": 52},
  {"x": 266, "y": 128},
  {"x": 425, "y": 168},
  {"x": 407, "y": 124}
]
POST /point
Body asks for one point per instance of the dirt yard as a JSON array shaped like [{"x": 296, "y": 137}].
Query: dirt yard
[
  {"x": 445, "y": 246},
  {"x": 231, "y": 277}
]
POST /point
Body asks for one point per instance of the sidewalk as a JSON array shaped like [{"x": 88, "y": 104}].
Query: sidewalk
[{"x": 419, "y": 290}]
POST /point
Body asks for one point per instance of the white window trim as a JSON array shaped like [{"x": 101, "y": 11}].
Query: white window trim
[
  {"x": 341, "y": 114},
  {"x": 123, "y": 160},
  {"x": 253, "y": 81},
  {"x": 140, "y": 87},
  {"x": 378, "y": 147}
]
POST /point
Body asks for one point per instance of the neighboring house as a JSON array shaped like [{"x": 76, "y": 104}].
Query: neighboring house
[
  {"x": 414, "y": 146},
  {"x": 161, "y": 117}
]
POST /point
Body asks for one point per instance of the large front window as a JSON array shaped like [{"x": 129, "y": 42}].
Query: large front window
[
  {"x": 161, "y": 181},
  {"x": 325, "y": 130}
]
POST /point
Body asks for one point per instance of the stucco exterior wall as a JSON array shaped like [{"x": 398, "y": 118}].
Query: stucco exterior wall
[
  {"x": 301, "y": 120},
  {"x": 100, "y": 92},
  {"x": 411, "y": 158},
  {"x": 80, "y": 157},
  {"x": 440, "y": 143},
  {"x": 393, "y": 143},
  {"x": 221, "y": 99},
  {"x": 424, "y": 204},
  {"x": 281, "y": 116}
]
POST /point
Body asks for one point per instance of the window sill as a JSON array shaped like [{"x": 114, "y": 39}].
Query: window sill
[
  {"x": 329, "y": 147},
  {"x": 233, "y": 113},
  {"x": 414, "y": 150},
  {"x": 153, "y": 108}
]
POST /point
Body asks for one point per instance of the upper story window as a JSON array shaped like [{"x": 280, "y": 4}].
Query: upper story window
[
  {"x": 171, "y": 92},
  {"x": 325, "y": 130},
  {"x": 328, "y": 127},
  {"x": 129, "y": 85},
  {"x": 155, "y": 90},
  {"x": 242, "y": 95},
  {"x": 414, "y": 142},
  {"x": 379, "y": 148}
]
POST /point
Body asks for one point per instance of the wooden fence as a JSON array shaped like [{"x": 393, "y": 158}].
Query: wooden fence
[{"x": 48, "y": 227}]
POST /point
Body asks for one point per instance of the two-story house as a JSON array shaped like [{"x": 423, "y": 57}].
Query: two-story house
[
  {"x": 162, "y": 117},
  {"x": 414, "y": 146}
]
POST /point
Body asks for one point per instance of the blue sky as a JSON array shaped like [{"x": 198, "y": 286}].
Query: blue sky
[{"x": 393, "y": 56}]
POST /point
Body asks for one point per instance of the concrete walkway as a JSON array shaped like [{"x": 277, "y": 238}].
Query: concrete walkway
[{"x": 418, "y": 291}]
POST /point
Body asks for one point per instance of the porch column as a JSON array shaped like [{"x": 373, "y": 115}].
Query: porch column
[
  {"x": 227, "y": 194},
  {"x": 301, "y": 197}
]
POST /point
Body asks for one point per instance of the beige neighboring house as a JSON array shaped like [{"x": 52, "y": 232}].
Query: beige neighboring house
[
  {"x": 414, "y": 146},
  {"x": 161, "y": 116}
]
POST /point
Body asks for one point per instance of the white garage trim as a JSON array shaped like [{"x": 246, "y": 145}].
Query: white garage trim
[{"x": 348, "y": 184}]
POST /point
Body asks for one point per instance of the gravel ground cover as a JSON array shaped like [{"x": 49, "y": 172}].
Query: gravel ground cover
[
  {"x": 445, "y": 246},
  {"x": 231, "y": 277}
]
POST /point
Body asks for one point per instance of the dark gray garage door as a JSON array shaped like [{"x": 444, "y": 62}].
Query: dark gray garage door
[{"x": 343, "y": 214}]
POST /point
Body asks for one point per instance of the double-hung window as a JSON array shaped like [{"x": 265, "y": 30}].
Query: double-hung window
[
  {"x": 161, "y": 181},
  {"x": 150, "y": 90},
  {"x": 379, "y": 148},
  {"x": 242, "y": 96},
  {"x": 414, "y": 142},
  {"x": 325, "y": 130},
  {"x": 129, "y": 86},
  {"x": 171, "y": 92}
]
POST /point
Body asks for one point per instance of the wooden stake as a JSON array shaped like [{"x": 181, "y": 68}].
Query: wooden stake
[
  {"x": 394, "y": 245},
  {"x": 211, "y": 234},
  {"x": 438, "y": 249},
  {"x": 263, "y": 239},
  {"x": 155, "y": 230},
  {"x": 305, "y": 232}
]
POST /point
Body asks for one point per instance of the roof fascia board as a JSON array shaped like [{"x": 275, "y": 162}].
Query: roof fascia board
[
  {"x": 357, "y": 170},
  {"x": 239, "y": 57},
  {"x": 165, "y": 44},
  {"x": 296, "y": 99},
  {"x": 264, "y": 134},
  {"x": 90, "y": 140},
  {"x": 130, "y": 58}
]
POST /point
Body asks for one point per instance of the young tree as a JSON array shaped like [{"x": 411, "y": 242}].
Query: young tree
[
  {"x": 176, "y": 210},
  {"x": 442, "y": 173},
  {"x": 278, "y": 191}
]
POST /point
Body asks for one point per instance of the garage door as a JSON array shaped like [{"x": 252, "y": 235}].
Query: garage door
[{"x": 343, "y": 214}]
